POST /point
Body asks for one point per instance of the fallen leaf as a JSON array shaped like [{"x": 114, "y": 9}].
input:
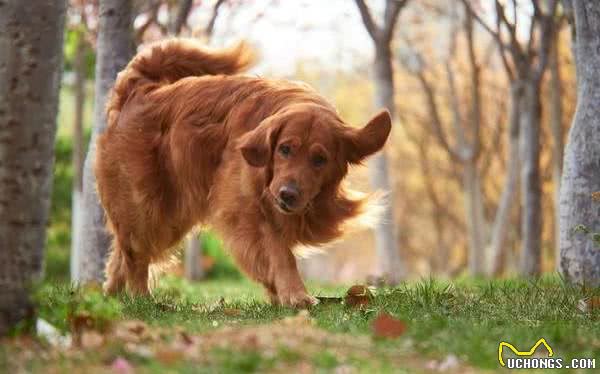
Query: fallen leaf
[
  {"x": 168, "y": 356},
  {"x": 358, "y": 296},
  {"x": 186, "y": 338},
  {"x": 131, "y": 331},
  {"x": 91, "y": 339},
  {"x": 588, "y": 304},
  {"x": 135, "y": 326},
  {"x": 80, "y": 321},
  {"x": 386, "y": 326},
  {"x": 232, "y": 312},
  {"x": 121, "y": 366},
  {"x": 596, "y": 196}
]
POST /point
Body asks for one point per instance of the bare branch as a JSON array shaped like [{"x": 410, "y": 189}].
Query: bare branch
[
  {"x": 392, "y": 11},
  {"x": 495, "y": 34},
  {"x": 547, "y": 29},
  {"x": 154, "y": 6},
  {"x": 434, "y": 116},
  {"x": 183, "y": 11},
  {"x": 475, "y": 120},
  {"x": 515, "y": 46},
  {"x": 213, "y": 18},
  {"x": 368, "y": 21}
]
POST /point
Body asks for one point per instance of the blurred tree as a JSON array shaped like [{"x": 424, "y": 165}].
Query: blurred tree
[
  {"x": 30, "y": 71},
  {"x": 386, "y": 241},
  {"x": 525, "y": 63},
  {"x": 466, "y": 150},
  {"x": 580, "y": 256},
  {"x": 80, "y": 70},
  {"x": 556, "y": 127},
  {"x": 185, "y": 6},
  {"x": 114, "y": 49}
]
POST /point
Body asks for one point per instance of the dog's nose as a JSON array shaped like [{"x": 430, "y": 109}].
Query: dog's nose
[{"x": 289, "y": 195}]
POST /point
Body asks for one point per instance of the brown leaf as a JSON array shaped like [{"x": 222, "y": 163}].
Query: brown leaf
[
  {"x": 168, "y": 356},
  {"x": 596, "y": 196},
  {"x": 358, "y": 296},
  {"x": 232, "y": 312},
  {"x": 186, "y": 338},
  {"x": 91, "y": 339},
  {"x": 80, "y": 321},
  {"x": 132, "y": 331},
  {"x": 386, "y": 326},
  {"x": 589, "y": 304}
]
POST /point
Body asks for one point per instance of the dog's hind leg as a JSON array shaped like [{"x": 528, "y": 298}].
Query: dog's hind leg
[
  {"x": 115, "y": 271},
  {"x": 126, "y": 270},
  {"x": 137, "y": 265}
]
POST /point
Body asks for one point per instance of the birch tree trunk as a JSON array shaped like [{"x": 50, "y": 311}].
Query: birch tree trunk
[
  {"x": 386, "y": 242},
  {"x": 475, "y": 216},
  {"x": 580, "y": 257},
  {"x": 557, "y": 138},
  {"x": 531, "y": 224},
  {"x": 509, "y": 191},
  {"x": 115, "y": 48},
  {"x": 78, "y": 149},
  {"x": 30, "y": 71},
  {"x": 193, "y": 258},
  {"x": 389, "y": 262}
]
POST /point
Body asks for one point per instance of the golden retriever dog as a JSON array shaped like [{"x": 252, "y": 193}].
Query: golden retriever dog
[{"x": 261, "y": 161}]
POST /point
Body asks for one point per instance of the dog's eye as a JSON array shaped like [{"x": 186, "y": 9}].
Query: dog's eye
[
  {"x": 284, "y": 149},
  {"x": 319, "y": 161}
]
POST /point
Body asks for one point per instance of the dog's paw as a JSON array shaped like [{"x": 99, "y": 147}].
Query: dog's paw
[{"x": 296, "y": 299}]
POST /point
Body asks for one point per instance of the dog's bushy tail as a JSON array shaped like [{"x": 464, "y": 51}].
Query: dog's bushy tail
[{"x": 171, "y": 60}]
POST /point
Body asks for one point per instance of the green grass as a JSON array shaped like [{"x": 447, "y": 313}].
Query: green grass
[{"x": 467, "y": 319}]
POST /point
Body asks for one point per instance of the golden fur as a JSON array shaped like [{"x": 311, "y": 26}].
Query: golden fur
[{"x": 189, "y": 142}]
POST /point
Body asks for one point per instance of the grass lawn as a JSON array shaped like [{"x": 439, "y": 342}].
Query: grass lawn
[{"x": 227, "y": 327}]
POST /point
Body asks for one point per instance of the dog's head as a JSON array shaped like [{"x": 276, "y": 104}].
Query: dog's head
[{"x": 306, "y": 148}]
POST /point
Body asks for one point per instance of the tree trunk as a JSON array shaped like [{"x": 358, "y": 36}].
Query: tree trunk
[
  {"x": 183, "y": 10},
  {"x": 193, "y": 258},
  {"x": 30, "y": 71},
  {"x": 531, "y": 218},
  {"x": 557, "y": 139},
  {"x": 474, "y": 216},
  {"x": 509, "y": 192},
  {"x": 115, "y": 48},
  {"x": 78, "y": 148},
  {"x": 580, "y": 257},
  {"x": 386, "y": 242}
]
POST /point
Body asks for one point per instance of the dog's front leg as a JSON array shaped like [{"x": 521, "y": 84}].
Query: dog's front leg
[
  {"x": 289, "y": 287},
  {"x": 273, "y": 265}
]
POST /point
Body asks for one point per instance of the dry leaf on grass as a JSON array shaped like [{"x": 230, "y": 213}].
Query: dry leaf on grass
[
  {"x": 232, "y": 312},
  {"x": 91, "y": 339},
  {"x": 358, "y": 296},
  {"x": 589, "y": 304},
  {"x": 168, "y": 356},
  {"x": 132, "y": 331},
  {"x": 386, "y": 326}
]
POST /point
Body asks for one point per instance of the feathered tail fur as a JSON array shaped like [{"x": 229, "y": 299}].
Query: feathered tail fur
[{"x": 171, "y": 60}]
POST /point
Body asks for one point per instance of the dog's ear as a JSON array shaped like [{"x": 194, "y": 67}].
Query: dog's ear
[
  {"x": 361, "y": 143},
  {"x": 257, "y": 145}
]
